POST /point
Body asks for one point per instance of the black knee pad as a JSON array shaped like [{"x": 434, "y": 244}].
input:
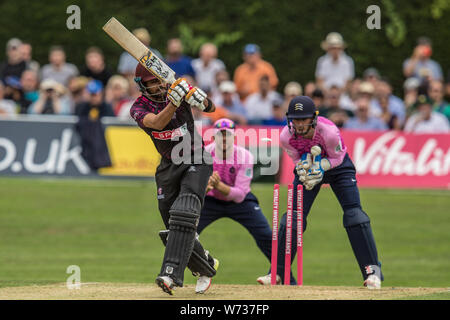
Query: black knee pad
[
  {"x": 355, "y": 216},
  {"x": 185, "y": 212},
  {"x": 183, "y": 221}
]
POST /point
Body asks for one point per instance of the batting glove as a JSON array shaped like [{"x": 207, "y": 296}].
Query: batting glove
[
  {"x": 195, "y": 98},
  {"x": 178, "y": 91}
]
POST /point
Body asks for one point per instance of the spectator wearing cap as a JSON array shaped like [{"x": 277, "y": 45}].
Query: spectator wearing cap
[
  {"x": 362, "y": 120},
  {"x": 247, "y": 75},
  {"x": 436, "y": 93},
  {"x": 7, "y": 106},
  {"x": 27, "y": 55},
  {"x": 425, "y": 120},
  {"x": 335, "y": 67},
  {"x": 116, "y": 94},
  {"x": 52, "y": 99},
  {"x": 30, "y": 85},
  {"x": 383, "y": 90},
  {"x": 410, "y": 93},
  {"x": 420, "y": 65},
  {"x": 206, "y": 67},
  {"x": 366, "y": 89},
  {"x": 95, "y": 107},
  {"x": 14, "y": 65},
  {"x": 14, "y": 92},
  {"x": 259, "y": 105},
  {"x": 176, "y": 60},
  {"x": 127, "y": 63},
  {"x": 371, "y": 75},
  {"x": 58, "y": 69},
  {"x": 95, "y": 67},
  {"x": 229, "y": 99}
]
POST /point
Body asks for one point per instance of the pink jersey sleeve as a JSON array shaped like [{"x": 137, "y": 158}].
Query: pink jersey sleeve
[
  {"x": 285, "y": 136},
  {"x": 335, "y": 148},
  {"x": 243, "y": 177}
]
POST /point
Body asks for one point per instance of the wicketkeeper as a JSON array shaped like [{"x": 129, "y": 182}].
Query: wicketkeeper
[
  {"x": 315, "y": 145},
  {"x": 164, "y": 113}
]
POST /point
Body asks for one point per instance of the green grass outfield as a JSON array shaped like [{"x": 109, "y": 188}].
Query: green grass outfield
[{"x": 109, "y": 228}]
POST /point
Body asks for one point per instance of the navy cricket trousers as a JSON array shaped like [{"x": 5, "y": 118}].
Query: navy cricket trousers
[
  {"x": 343, "y": 183},
  {"x": 247, "y": 213}
]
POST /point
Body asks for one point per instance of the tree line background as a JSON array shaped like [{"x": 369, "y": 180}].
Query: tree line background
[{"x": 288, "y": 32}]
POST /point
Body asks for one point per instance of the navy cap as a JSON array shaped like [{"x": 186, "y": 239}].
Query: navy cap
[
  {"x": 301, "y": 107},
  {"x": 251, "y": 48},
  {"x": 13, "y": 81},
  {"x": 94, "y": 86}
]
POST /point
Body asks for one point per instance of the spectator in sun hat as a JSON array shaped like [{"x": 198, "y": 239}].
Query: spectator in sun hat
[
  {"x": 335, "y": 67},
  {"x": 229, "y": 99},
  {"x": 248, "y": 74},
  {"x": 52, "y": 99}
]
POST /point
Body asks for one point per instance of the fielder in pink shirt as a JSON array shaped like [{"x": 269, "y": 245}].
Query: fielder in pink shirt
[
  {"x": 228, "y": 191},
  {"x": 316, "y": 147}
]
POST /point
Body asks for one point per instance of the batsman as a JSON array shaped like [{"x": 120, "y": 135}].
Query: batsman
[
  {"x": 315, "y": 145},
  {"x": 164, "y": 113}
]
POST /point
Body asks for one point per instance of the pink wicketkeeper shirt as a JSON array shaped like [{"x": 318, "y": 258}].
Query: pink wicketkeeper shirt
[
  {"x": 326, "y": 135},
  {"x": 236, "y": 172}
]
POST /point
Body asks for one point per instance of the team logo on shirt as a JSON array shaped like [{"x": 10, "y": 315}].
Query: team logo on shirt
[
  {"x": 232, "y": 170},
  {"x": 170, "y": 134}
]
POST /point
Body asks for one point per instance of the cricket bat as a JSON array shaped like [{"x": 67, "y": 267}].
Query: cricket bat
[{"x": 139, "y": 51}]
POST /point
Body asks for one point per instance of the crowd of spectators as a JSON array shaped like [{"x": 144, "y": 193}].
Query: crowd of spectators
[{"x": 250, "y": 94}]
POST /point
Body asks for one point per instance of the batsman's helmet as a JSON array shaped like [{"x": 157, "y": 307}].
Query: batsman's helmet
[{"x": 143, "y": 74}]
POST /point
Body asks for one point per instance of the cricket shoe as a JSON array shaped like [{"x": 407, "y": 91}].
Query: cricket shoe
[
  {"x": 204, "y": 282},
  {"x": 267, "y": 280},
  {"x": 372, "y": 282},
  {"x": 166, "y": 284}
]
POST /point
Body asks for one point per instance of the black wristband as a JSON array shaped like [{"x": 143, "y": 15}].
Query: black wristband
[{"x": 209, "y": 106}]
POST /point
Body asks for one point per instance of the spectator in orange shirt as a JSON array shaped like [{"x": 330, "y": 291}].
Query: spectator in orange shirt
[{"x": 247, "y": 75}]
